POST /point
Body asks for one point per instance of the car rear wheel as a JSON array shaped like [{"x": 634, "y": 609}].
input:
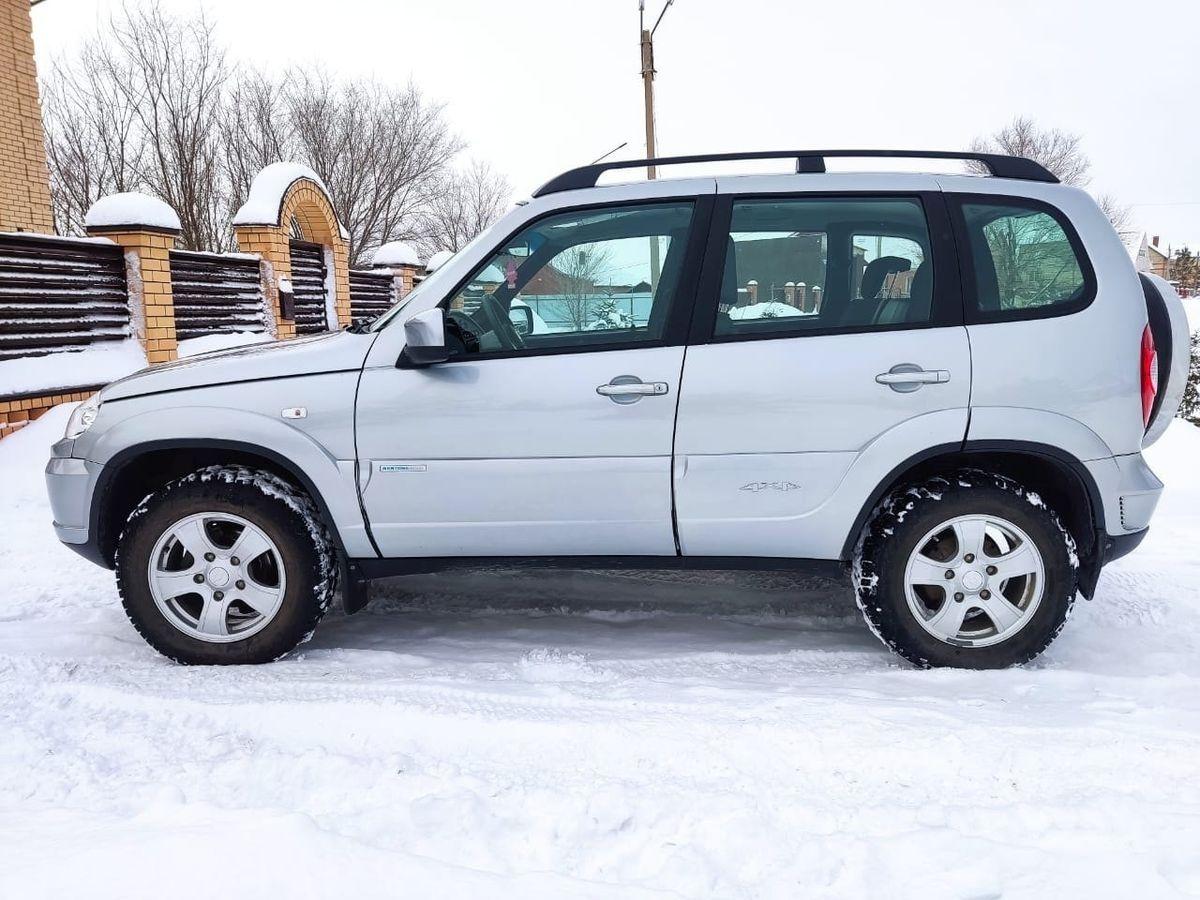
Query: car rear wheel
[
  {"x": 226, "y": 565},
  {"x": 969, "y": 570}
]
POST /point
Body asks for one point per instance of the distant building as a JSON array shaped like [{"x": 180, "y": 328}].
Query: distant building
[{"x": 1146, "y": 254}]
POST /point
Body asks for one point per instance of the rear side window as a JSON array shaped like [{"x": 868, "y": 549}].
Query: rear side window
[
  {"x": 1025, "y": 261},
  {"x": 796, "y": 265}
]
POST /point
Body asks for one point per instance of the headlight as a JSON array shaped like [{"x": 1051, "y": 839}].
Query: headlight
[{"x": 83, "y": 417}]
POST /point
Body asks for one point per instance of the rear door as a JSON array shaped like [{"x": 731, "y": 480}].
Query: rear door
[
  {"x": 827, "y": 348},
  {"x": 1056, "y": 328}
]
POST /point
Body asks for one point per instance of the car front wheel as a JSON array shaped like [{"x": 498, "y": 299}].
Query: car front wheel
[
  {"x": 226, "y": 565},
  {"x": 968, "y": 570}
]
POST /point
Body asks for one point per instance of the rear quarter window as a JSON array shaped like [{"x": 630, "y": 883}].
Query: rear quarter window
[{"x": 1024, "y": 261}]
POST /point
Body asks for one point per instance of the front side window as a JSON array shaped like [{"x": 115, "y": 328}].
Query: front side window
[
  {"x": 576, "y": 280},
  {"x": 1022, "y": 259},
  {"x": 816, "y": 263}
]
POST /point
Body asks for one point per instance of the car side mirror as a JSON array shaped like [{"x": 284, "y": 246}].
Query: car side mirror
[
  {"x": 425, "y": 340},
  {"x": 522, "y": 319}
]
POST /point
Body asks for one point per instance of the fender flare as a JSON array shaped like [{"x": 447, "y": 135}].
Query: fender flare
[
  {"x": 1089, "y": 565},
  {"x": 126, "y": 457}
]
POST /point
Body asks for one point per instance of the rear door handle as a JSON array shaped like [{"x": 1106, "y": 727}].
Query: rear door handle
[
  {"x": 630, "y": 389},
  {"x": 907, "y": 377}
]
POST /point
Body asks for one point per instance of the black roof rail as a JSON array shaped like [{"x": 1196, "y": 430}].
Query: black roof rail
[{"x": 807, "y": 161}]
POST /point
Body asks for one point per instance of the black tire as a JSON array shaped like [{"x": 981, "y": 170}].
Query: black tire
[
  {"x": 907, "y": 515},
  {"x": 287, "y": 515}
]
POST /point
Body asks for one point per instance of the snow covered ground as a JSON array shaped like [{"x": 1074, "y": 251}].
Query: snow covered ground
[{"x": 517, "y": 735}]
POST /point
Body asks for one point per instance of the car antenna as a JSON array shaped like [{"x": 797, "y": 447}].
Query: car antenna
[{"x": 609, "y": 153}]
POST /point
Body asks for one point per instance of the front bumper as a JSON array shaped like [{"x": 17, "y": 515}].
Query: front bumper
[{"x": 70, "y": 482}]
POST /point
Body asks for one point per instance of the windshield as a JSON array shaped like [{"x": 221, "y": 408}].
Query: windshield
[
  {"x": 470, "y": 246},
  {"x": 399, "y": 305}
]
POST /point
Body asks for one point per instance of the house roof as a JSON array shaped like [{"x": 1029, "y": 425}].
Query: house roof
[{"x": 1139, "y": 248}]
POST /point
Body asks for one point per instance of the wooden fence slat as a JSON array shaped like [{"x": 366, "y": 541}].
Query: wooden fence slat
[
  {"x": 215, "y": 294},
  {"x": 60, "y": 294}
]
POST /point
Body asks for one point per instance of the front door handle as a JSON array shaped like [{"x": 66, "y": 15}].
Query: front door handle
[
  {"x": 630, "y": 389},
  {"x": 907, "y": 377}
]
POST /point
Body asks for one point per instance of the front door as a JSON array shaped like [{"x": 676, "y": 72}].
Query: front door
[
  {"x": 830, "y": 351},
  {"x": 550, "y": 430}
]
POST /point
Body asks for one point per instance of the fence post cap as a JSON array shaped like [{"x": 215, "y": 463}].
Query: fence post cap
[
  {"x": 394, "y": 253},
  {"x": 131, "y": 211},
  {"x": 438, "y": 260}
]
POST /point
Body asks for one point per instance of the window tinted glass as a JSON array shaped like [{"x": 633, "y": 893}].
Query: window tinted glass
[
  {"x": 799, "y": 264},
  {"x": 578, "y": 279},
  {"x": 1022, "y": 258}
]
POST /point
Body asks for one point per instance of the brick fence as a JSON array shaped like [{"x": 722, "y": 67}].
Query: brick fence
[{"x": 58, "y": 301}]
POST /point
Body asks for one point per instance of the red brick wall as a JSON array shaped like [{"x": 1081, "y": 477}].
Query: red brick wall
[{"x": 16, "y": 414}]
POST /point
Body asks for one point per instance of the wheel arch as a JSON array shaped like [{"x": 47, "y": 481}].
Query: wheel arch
[
  {"x": 1060, "y": 477},
  {"x": 135, "y": 471}
]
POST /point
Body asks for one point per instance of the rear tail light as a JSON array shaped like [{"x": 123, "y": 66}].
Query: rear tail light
[{"x": 1149, "y": 373}]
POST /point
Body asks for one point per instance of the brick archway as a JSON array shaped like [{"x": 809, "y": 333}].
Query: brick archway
[{"x": 289, "y": 203}]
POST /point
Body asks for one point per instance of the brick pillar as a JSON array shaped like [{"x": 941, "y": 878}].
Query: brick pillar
[
  {"x": 287, "y": 198},
  {"x": 147, "y": 264},
  {"x": 271, "y": 243},
  {"x": 24, "y": 177},
  {"x": 341, "y": 279},
  {"x": 403, "y": 276}
]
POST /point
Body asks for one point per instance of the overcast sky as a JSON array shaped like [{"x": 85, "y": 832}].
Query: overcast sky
[{"x": 540, "y": 85}]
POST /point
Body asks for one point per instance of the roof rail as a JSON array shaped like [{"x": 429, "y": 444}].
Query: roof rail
[{"x": 807, "y": 161}]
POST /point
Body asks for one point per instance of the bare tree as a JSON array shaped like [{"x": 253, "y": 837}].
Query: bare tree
[
  {"x": 92, "y": 144},
  {"x": 1118, "y": 213},
  {"x": 463, "y": 204},
  {"x": 177, "y": 75},
  {"x": 1059, "y": 151},
  {"x": 577, "y": 270},
  {"x": 138, "y": 110},
  {"x": 380, "y": 151},
  {"x": 256, "y": 131},
  {"x": 152, "y": 105}
]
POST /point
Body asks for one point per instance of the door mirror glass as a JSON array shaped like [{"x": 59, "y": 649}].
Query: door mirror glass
[
  {"x": 521, "y": 317},
  {"x": 425, "y": 340}
]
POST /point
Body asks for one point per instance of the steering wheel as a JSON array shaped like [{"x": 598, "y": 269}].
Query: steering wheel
[{"x": 501, "y": 325}]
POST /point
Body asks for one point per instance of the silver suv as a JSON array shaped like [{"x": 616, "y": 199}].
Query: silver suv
[{"x": 941, "y": 385}]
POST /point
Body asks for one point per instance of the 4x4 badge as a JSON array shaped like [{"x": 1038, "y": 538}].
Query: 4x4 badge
[{"x": 757, "y": 486}]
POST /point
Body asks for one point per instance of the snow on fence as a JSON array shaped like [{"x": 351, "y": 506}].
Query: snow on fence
[
  {"x": 371, "y": 293},
  {"x": 216, "y": 294},
  {"x": 60, "y": 294}
]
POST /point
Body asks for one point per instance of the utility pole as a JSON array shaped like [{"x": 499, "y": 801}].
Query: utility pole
[{"x": 647, "y": 47}]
